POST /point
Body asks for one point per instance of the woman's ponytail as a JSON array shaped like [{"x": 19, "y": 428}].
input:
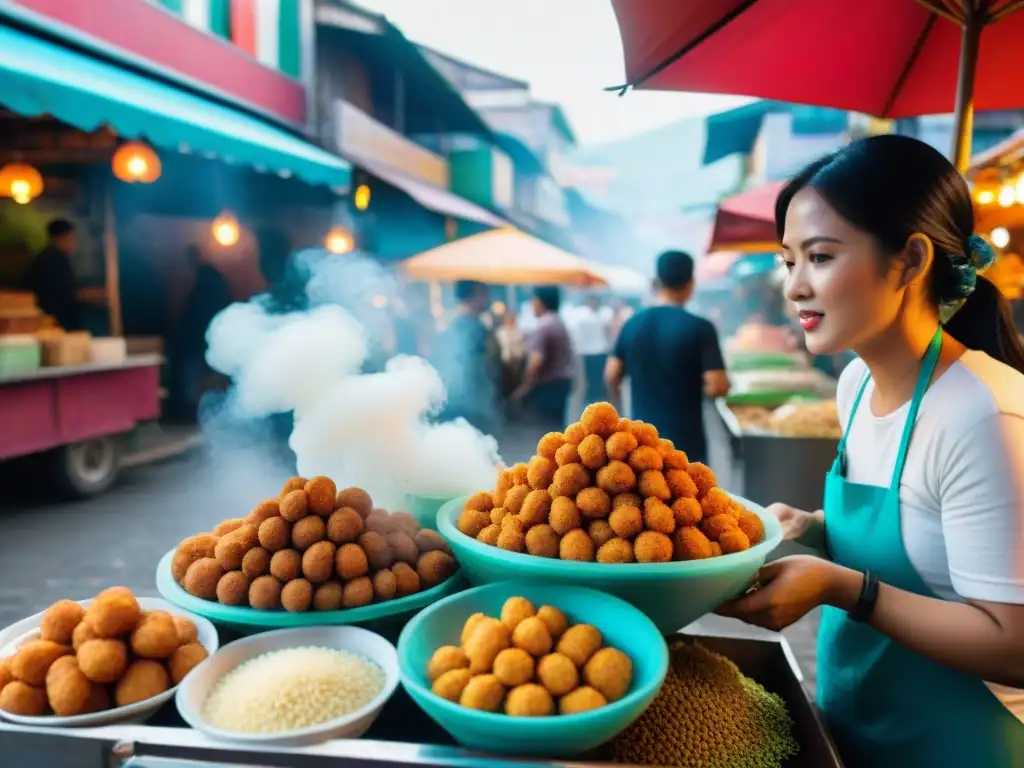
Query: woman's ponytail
[{"x": 985, "y": 322}]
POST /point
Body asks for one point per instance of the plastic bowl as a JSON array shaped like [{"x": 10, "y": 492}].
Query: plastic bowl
[
  {"x": 622, "y": 626},
  {"x": 25, "y": 630},
  {"x": 196, "y": 687},
  {"x": 425, "y": 509},
  {"x": 672, "y": 595},
  {"x": 248, "y": 620}
]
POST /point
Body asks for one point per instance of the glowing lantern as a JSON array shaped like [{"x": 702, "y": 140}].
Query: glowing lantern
[
  {"x": 1007, "y": 195},
  {"x": 225, "y": 230},
  {"x": 136, "y": 162},
  {"x": 20, "y": 182},
  {"x": 1000, "y": 237},
  {"x": 361, "y": 197},
  {"x": 338, "y": 241},
  {"x": 986, "y": 197}
]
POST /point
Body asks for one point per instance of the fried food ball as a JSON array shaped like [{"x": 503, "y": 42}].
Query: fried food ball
[
  {"x": 434, "y": 567},
  {"x": 645, "y": 459},
  {"x": 286, "y": 565},
  {"x": 307, "y": 532},
  {"x": 515, "y": 610},
  {"x": 357, "y": 593},
  {"x": 186, "y": 629},
  {"x": 732, "y": 541},
  {"x": 575, "y": 433},
  {"x": 328, "y": 596},
  {"x": 515, "y": 498},
  {"x": 385, "y": 585},
  {"x": 548, "y": 445},
  {"x": 489, "y": 535},
  {"x": 256, "y": 562},
  {"x": 600, "y": 419},
  {"x": 233, "y": 588},
  {"x": 688, "y": 543},
  {"x": 567, "y": 454},
  {"x": 6, "y": 675},
  {"x": 497, "y": 515},
  {"x": 519, "y": 473},
  {"x": 350, "y": 562},
  {"x": 658, "y": 516},
  {"x": 716, "y": 550},
  {"x": 652, "y": 547},
  {"x": 192, "y": 549},
  {"x": 200, "y": 581},
  {"x": 687, "y": 511},
  {"x": 227, "y": 526},
  {"x": 579, "y": 643},
  {"x": 593, "y": 503},
  {"x": 615, "y": 477},
  {"x": 83, "y": 632},
  {"x": 344, "y": 525},
  {"x": 513, "y": 666},
  {"x": 67, "y": 689},
  {"x": 405, "y": 523},
  {"x": 576, "y": 545},
  {"x": 615, "y": 550},
  {"x": 99, "y": 699},
  {"x": 156, "y": 637},
  {"x": 275, "y": 534},
  {"x": 378, "y": 552},
  {"x": 23, "y": 699},
  {"x": 407, "y": 581},
  {"x": 600, "y": 531},
  {"x": 403, "y": 547},
  {"x": 714, "y": 527},
  {"x": 554, "y": 620},
  {"x": 292, "y": 484},
  {"x": 644, "y": 433},
  {"x": 665, "y": 447},
  {"x": 540, "y": 472},
  {"x": 297, "y": 596},
  {"x": 564, "y": 515},
  {"x": 451, "y": 684},
  {"x": 501, "y": 487},
  {"x": 265, "y": 510},
  {"x": 102, "y": 661},
  {"x": 536, "y": 508},
  {"x": 652, "y": 485},
  {"x": 569, "y": 480},
  {"x": 583, "y": 699},
  {"x": 143, "y": 680},
  {"x": 558, "y": 674},
  {"x": 676, "y": 460},
  {"x": 318, "y": 560},
  {"x": 472, "y": 521},
  {"x": 379, "y": 521},
  {"x": 512, "y": 537},
  {"x": 321, "y": 492},
  {"x": 680, "y": 483},
  {"x": 542, "y": 541},
  {"x": 702, "y": 476},
  {"x": 752, "y": 526},
  {"x": 32, "y": 661},
  {"x": 184, "y": 660},
  {"x": 626, "y": 521},
  {"x": 265, "y": 593},
  {"x": 354, "y": 498},
  {"x": 232, "y": 548},
  {"x": 427, "y": 541},
  {"x": 610, "y": 672},
  {"x": 592, "y": 452},
  {"x": 445, "y": 659},
  {"x": 718, "y": 502},
  {"x": 488, "y": 639},
  {"x": 482, "y": 501},
  {"x": 627, "y": 500},
  {"x": 59, "y": 621},
  {"x": 295, "y": 506},
  {"x": 619, "y": 446},
  {"x": 470, "y": 626},
  {"x": 483, "y": 692},
  {"x": 531, "y": 634},
  {"x": 529, "y": 700}
]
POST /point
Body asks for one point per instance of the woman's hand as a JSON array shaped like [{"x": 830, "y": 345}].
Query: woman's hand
[
  {"x": 788, "y": 589},
  {"x": 806, "y": 528}
]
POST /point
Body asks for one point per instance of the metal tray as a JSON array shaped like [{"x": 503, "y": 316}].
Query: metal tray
[{"x": 402, "y": 736}]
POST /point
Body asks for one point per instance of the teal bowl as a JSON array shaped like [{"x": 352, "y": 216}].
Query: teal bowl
[
  {"x": 425, "y": 509},
  {"x": 621, "y": 625},
  {"x": 672, "y": 595}
]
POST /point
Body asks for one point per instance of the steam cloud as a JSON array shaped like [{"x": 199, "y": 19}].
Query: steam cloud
[{"x": 367, "y": 430}]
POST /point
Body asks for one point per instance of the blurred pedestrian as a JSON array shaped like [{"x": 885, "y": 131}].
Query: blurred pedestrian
[
  {"x": 589, "y": 328},
  {"x": 672, "y": 358},
  {"x": 52, "y": 279},
  {"x": 550, "y": 364}
]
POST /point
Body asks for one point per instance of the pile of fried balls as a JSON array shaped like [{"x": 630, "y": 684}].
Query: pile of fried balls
[
  {"x": 610, "y": 490},
  {"x": 527, "y": 660},
  {"x": 313, "y": 547},
  {"x": 89, "y": 659}
]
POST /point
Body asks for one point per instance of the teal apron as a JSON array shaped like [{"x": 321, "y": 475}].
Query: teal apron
[{"x": 887, "y": 706}]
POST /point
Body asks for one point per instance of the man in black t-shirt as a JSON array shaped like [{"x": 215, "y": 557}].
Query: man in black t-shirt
[{"x": 673, "y": 360}]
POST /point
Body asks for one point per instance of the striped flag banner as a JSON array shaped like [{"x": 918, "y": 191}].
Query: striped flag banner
[{"x": 269, "y": 31}]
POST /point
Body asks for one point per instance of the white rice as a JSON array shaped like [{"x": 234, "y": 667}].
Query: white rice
[{"x": 293, "y": 688}]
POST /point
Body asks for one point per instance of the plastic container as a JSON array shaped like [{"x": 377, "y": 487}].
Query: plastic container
[
  {"x": 622, "y": 626},
  {"x": 248, "y": 620},
  {"x": 14, "y": 636},
  {"x": 196, "y": 687},
  {"x": 108, "y": 351},
  {"x": 672, "y": 594},
  {"x": 19, "y": 355},
  {"x": 61, "y": 348},
  {"x": 425, "y": 509}
]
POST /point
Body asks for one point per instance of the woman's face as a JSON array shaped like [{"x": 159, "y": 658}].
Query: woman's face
[{"x": 842, "y": 296}]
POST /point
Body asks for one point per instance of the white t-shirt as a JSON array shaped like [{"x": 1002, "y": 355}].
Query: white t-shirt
[{"x": 962, "y": 490}]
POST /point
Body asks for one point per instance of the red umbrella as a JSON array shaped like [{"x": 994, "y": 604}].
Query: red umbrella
[
  {"x": 746, "y": 222},
  {"x": 889, "y": 58}
]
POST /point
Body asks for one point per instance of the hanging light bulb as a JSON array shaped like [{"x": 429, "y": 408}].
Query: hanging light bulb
[
  {"x": 20, "y": 182},
  {"x": 361, "y": 197},
  {"x": 1000, "y": 237},
  {"x": 136, "y": 162},
  {"x": 986, "y": 197},
  {"x": 338, "y": 240},
  {"x": 225, "y": 230},
  {"x": 1007, "y": 195}
]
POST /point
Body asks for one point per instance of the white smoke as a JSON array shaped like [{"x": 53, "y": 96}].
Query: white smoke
[{"x": 367, "y": 430}]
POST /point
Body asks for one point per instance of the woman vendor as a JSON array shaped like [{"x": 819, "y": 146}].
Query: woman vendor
[{"x": 922, "y": 632}]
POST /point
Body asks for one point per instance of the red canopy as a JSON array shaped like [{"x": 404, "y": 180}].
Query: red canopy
[{"x": 746, "y": 222}]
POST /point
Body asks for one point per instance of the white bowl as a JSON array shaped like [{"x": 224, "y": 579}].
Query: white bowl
[
  {"x": 370, "y": 646},
  {"x": 26, "y": 630}
]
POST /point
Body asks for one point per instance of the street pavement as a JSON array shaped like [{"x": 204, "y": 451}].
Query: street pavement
[{"x": 53, "y": 549}]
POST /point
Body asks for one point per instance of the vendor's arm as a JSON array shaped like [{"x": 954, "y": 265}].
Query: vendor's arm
[
  {"x": 716, "y": 381},
  {"x": 531, "y": 373},
  {"x": 615, "y": 368}
]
